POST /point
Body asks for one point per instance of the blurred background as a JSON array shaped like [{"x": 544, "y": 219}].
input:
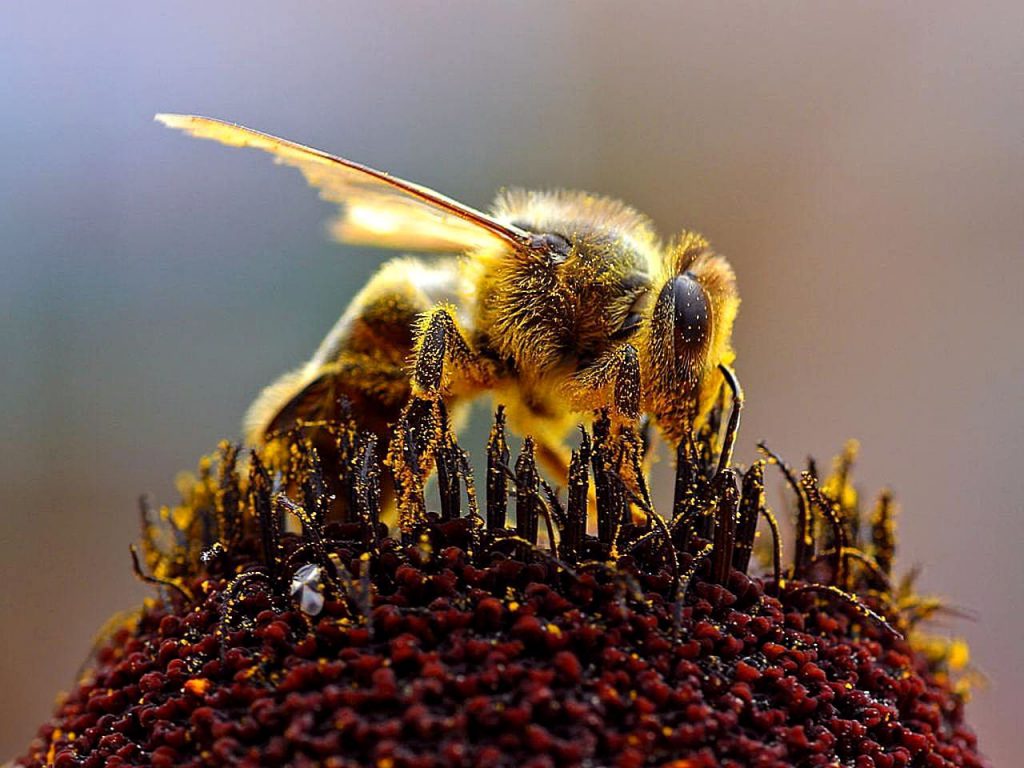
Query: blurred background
[{"x": 861, "y": 165}]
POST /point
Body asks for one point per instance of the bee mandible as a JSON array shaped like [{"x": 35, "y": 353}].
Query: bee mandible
[{"x": 557, "y": 303}]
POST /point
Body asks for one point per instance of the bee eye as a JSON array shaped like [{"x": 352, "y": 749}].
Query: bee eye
[
  {"x": 690, "y": 314},
  {"x": 556, "y": 247}
]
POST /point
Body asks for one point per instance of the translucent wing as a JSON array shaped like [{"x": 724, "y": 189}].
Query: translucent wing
[{"x": 376, "y": 208}]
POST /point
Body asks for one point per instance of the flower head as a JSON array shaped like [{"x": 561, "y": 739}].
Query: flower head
[{"x": 292, "y": 629}]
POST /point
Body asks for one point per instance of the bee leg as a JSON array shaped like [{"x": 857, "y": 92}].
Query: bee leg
[
  {"x": 725, "y": 457},
  {"x": 618, "y": 368},
  {"x": 443, "y": 358},
  {"x": 627, "y": 383},
  {"x": 444, "y": 361},
  {"x": 442, "y": 354}
]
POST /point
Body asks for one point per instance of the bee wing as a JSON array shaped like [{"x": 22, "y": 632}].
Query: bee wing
[{"x": 376, "y": 208}]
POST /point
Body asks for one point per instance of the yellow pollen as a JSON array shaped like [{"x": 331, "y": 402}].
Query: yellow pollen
[
  {"x": 52, "y": 751},
  {"x": 197, "y": 686}
]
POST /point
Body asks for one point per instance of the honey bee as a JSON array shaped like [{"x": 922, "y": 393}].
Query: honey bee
[{"x": 556, "y": 303}]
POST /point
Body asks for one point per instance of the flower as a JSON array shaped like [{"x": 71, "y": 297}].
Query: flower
[{"x": 292, "y": 629}]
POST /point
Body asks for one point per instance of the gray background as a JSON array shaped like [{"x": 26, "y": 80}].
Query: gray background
[{"x": 861, "y": 166}]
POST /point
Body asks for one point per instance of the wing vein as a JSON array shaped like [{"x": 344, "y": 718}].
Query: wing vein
[{"x": 376, "y": 207}]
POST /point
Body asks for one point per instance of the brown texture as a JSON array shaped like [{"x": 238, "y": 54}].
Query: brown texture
[{"x": 469, "y": 643}]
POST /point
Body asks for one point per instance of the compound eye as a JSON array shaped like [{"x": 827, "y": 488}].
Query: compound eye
[
  {"x": 555, "y": 246},
  {"x": 691, "y": 313}
]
